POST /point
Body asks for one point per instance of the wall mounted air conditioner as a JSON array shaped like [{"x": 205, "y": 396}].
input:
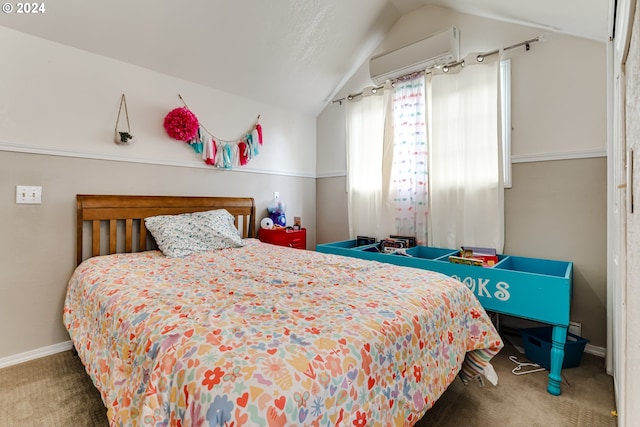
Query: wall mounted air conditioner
[{"x": 439, "y": 48}]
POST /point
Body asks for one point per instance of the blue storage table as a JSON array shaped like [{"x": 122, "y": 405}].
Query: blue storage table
[{"x": 530, "y": 288}]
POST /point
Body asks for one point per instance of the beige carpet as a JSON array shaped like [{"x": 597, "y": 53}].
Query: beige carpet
[
  {"x": 587, "y": 398},
  {"x": 55, "y": 391}
]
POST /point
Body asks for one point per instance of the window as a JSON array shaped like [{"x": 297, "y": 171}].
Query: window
[{"x": 463, "y": 115}]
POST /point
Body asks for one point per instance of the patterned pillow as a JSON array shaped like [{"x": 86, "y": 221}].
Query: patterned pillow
[{"x": 185, "y": 234}]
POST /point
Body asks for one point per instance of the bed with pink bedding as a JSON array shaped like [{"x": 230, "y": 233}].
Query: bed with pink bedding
[{"x": 263, "y": 335}]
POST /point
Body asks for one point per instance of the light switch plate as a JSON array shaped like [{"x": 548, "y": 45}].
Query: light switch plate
[{"x": 29, "y": 194}]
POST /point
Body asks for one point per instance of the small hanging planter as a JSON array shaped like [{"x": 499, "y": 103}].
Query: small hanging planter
[{"x": 122, "y": 137}]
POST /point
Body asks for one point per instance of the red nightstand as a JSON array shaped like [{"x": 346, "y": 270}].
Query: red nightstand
[{"x": 283, "y": 237}]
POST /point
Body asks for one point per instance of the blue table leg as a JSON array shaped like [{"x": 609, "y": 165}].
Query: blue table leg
[{"x": 558, "y": 339}]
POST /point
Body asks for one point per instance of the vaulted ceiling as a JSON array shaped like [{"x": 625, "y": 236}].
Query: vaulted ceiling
[{"x": 288, "y": 53}]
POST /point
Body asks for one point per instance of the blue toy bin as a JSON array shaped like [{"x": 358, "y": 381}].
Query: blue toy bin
[{"x": 537, "y": 347}]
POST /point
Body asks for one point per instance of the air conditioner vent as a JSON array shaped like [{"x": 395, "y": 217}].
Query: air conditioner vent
[{"x": 439, "y": 48}]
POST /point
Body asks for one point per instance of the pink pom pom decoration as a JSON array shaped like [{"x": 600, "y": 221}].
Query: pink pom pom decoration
[{"x": 181, "y": 124}]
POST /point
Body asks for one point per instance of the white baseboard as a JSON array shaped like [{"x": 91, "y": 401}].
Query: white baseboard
[
  {"x": 35, "y": 354},
  {"x": 595, "y": 350}
]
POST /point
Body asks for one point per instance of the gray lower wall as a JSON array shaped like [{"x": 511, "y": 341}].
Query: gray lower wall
[
  {"x": 555, "y": 210},
  {"x": 558, "y": 210},
  {"x": 37, "y": 253}
]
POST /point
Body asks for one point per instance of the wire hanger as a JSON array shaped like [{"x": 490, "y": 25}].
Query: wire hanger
[{"x": 518, "y": 369}]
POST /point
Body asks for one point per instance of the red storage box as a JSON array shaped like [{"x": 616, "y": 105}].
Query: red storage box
[{"x": 284, "y": 237}]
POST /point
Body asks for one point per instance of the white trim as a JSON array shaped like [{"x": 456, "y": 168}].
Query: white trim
[
  {"x": 595, "y": 350},
  {"x": 34, "y": 149},
  {"x": 331, "y": 174},
  {"x": 521, "y": 158},
  {"x": 35, "y": 354},
  {"x": 569, "y": 155}
]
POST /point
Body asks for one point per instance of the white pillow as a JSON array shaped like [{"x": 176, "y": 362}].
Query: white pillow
[{"x": 185, "y": 234}]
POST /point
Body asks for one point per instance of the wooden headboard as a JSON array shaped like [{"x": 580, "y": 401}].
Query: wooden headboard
[{"x": 111, "y": 217}]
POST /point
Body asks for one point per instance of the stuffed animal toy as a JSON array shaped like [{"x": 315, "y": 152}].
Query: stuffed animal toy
[{"x": 277, "y": 210}]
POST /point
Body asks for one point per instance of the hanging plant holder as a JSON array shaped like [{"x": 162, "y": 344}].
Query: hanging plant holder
[{"x": 122, "y": 137}]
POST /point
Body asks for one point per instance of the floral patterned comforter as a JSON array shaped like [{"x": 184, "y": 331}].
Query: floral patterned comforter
[{"x": 270, "y": 336}]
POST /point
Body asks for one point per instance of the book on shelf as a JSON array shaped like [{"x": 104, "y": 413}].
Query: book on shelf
[
  {"x": 473, "y": 250},
  {"x": 392, "y": 245},
  {"x": 487, "y": 256},
  {"x": 411, "y": 240},
  {"x": 365, "y": 240},
  {"x": 464, "y": 260}
]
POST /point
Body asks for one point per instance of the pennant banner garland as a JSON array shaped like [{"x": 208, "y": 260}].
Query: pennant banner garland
[{"x": 181, "y": 124}]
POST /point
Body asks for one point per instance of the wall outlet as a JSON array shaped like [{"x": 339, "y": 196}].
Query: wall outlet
[
  {"x": 276, "y": 194},
  {"x": 29, "y": 194}
]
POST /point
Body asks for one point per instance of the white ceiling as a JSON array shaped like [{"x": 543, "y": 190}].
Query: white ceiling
[
  {"x": 581, "y": 18},
  {"x": 288, "y": 53}
]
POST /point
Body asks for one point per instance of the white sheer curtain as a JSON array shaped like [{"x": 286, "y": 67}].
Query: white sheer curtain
[
  {"x": 409, "y": 176},
  {"x": 367, "y": 119},
  {"x": 466, "y": 191}
]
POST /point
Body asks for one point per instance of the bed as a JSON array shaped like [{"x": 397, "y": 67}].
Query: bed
[{"x": 255, "y": 334}]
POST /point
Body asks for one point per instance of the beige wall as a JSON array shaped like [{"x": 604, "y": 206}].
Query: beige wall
[
  {"x": 556, "y": 209},
  {"x": 58, "y": 107},
  {"x": 558, "y": 88},
  {"x": 62, "y": 99}
]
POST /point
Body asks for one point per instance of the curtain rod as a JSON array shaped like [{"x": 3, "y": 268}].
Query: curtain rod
[
  {"x": 526, "y": 44},
  {"x": 479, "y": 58}
]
